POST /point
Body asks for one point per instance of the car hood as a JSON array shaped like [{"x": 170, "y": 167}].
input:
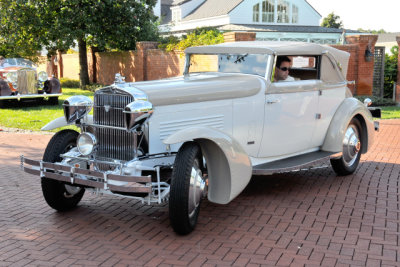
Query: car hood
[{"x": 200, "y": 87}]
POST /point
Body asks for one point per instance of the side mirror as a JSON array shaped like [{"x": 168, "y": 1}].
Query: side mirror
[{"x": 367, "y": 102}]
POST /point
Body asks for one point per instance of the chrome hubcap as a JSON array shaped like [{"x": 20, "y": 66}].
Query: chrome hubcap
[
  {"x": 351, "y": 145},
  {"x": 197, "y": 188}
]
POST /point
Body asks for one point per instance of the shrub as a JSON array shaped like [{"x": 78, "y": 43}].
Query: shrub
[
  {"x": 390, "y": 71},
  {"x": 92, "y": 87},
  {"x": 377, "y": 101},
  {"x": 69, "y": 83},
  {"x": 201, "y": 36}
]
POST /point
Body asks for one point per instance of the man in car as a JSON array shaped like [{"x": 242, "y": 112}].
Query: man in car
[{"x": 282, "y": 70}]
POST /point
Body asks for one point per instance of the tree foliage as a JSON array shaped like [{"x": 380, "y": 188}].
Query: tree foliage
[
  {"x": 332, "y": 21},
  {"x": 200, "y": 36},
  {"x": 29, "y": 25},
  {"x": 391, "y": 65},
  {"x": 372, "y": 31}
]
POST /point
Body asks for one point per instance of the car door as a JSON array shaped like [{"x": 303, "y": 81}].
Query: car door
[
  {"x": 290, "y": 117},
  {"x": 332, "y": 91}
]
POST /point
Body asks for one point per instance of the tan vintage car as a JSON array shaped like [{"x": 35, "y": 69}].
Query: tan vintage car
[
  {"x": 205, "y": 134},
  {"x": 19, "y": 80}
]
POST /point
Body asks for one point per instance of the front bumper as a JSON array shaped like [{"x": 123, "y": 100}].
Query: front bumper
[
  {"x": 101, "y": 182},
  {"x": 19, "y": 96}
]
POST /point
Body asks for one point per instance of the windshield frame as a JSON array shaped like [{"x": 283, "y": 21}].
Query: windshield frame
[{"x": 269, "y": 59}]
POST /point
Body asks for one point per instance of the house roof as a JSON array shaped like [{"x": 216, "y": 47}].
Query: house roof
[
  {"x": 212, "y": 8},
  {"x": 179, "y": 2},
  {"x": 387, "y": 37},
  {"x": 281, "y": 28}
]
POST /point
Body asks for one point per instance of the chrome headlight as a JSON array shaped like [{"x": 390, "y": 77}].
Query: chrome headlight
[
  {"x": 12, "y": 77},
  {"x": 42, "y": 76},
  {"x": 86, "y": 143},
  {"x": 76, "y": 107},
  {"x": 136, "y": 113}
]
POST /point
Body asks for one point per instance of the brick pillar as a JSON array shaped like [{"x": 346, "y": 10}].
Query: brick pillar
[
  {"x": 141, "y": 48},
  {"x": 365, "y": 70},
  {"x": 239, "y": 36},
  {"x": 398, "y": 73}
]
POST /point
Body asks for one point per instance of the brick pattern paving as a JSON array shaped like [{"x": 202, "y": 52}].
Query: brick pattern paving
[{"x": 304, "y": 218}]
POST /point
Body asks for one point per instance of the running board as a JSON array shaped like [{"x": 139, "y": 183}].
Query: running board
[{"x": 293, "y": 163}]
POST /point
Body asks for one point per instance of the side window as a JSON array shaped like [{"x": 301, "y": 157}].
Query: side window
[
  {"x": 329, "y": 73},
  {"x": 296, "y": 68}
]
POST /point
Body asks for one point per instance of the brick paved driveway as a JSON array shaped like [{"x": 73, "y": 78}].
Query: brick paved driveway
[{"x": 301, "y": 218}]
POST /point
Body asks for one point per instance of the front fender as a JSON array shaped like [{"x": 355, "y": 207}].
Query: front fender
[
  {"x": 61, "y": 122},
  {"x": 229, "y": 167},
  {"x": 349, "y": 109}
]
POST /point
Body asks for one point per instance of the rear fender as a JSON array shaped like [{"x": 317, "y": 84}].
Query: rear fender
[
  {"x": 229, "y": 167},
  {"x": 61, "y": 122},
  {"x": 349, "y": 109}
]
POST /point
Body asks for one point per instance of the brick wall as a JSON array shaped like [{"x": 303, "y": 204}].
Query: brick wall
[
  {"x": 398, "y": 74},
  {"x": 352, "y": 70},
  {"x": 365, "y": 69},
  {"x": 162, "y": 64}
]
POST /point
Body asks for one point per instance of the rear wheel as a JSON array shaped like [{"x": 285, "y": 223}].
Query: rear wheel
[
  {"x": 188, "y": 187},
  {"x": 351, "y": 151},
  {"x": 59, "y": 195}
]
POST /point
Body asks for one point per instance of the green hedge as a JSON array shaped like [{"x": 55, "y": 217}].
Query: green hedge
[
  {"x": 69, "y": 83},
  {"x": 377, "y": 101}
]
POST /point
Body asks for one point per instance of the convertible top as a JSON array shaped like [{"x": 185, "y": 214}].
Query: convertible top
[
  {"x": 265, "y": 47},
  {"x": 274, "y": 48}
]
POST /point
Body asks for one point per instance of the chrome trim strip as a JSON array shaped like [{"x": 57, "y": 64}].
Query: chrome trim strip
[{"x": 29, "y": 96}]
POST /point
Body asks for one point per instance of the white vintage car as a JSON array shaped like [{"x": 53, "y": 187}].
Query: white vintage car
[{"x": 206, "y": 133}]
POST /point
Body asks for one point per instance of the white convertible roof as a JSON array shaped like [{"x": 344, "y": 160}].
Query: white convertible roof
[
  {"x": 274, "y": 48},
  {"x": 265, "y": 47}
]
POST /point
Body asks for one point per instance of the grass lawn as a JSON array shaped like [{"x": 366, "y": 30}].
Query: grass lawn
[
  {"x": 390, "y": 112},
  {"x": 33, "y": 116}
]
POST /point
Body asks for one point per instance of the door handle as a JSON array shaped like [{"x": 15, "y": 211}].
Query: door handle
[{"x": 272, "y": 101}]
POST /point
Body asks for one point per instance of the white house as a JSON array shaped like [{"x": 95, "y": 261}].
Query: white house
[{"x": 289, "y": 20}]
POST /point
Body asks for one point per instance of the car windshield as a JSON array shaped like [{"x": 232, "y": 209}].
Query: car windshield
[
  {"x": 14, "y": 62},
  {"x": 255, "y": 64}
]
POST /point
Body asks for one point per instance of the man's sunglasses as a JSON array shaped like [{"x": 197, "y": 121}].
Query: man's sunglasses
[{"x": 284, "y": 69}]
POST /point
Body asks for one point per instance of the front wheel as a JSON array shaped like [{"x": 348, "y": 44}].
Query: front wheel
[
  {"x": 188, "y": 187},
  {"x": 351, "y": 152},
  {"x": 59, "y": 195}
]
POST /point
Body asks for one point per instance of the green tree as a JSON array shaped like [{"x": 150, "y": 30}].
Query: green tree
[
  {"x": 372, "y": 31},
  {"x": 57, "y": 24},
  {"x": 200, "y": 36},
  {"x": 332, "y": 21},
  {"x": 391, "y": 66}
]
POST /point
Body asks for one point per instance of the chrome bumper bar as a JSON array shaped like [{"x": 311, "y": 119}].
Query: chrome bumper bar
[
  {"x": 18, "y": 97},
  {"x": 87, "y": 178}
]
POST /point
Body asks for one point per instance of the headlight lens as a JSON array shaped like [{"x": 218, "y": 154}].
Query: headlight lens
[
  {"x": 86, "y": 143},
  {"x": 76, "y": 107},
  {"x": 42, "y": 76},
  {"x": 136, "y": 113},
  {"x": 12, "y": 77}
]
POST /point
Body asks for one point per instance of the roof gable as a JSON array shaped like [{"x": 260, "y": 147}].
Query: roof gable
[{"x": 212, "y": 8}]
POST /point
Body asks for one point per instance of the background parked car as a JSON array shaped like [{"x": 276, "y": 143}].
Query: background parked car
[{"x": 19, "y": 80}]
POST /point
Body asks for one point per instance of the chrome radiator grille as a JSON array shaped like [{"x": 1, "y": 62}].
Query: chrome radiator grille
[
  {"x": 26, "y": 81},
  {"x": 108, "y": 110}
]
